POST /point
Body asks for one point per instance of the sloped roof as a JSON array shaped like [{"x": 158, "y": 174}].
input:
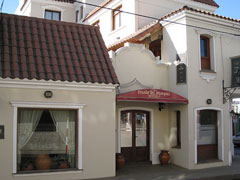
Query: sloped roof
[
  {"x": 41, "y": 49},
  {"x": 209, "y": 2},
  {"x": 154, "y": 25},
  {"x": 106, "y": 2},
  {"x": 136, "y": 36},
  {"x": 67, "y": 1}
]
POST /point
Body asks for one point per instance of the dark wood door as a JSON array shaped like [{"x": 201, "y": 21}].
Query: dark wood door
[
  {"x": 135, "y": 135},
  {"x": 207, "y": 136}
]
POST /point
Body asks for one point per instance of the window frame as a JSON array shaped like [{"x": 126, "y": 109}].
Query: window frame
[
  {"x": 118, "y": 10},
  {"x": 81, "y": 14},
  {"x": 52, "y": 11},
  {"x": 77, "y": 15},
  {"x": 206, "y": 66},
  {"x": 45, "y": 105}
]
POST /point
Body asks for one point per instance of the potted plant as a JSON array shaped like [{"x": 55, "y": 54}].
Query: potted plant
[
  {"x": 164, "y": 157},
  {"x": 120, "y": 160}
]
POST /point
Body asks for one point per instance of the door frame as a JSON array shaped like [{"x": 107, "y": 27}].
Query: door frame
[
  {"x": 220, "y": 136},
  {"x": 151, "y": 133}
]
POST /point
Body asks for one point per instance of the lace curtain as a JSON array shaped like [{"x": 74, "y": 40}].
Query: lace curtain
[{"x": 27, "y": 123}]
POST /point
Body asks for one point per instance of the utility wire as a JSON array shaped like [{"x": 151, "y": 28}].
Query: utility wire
[
  {"x": 154, "y": 18},
  {"x": 1, "y": 6}
]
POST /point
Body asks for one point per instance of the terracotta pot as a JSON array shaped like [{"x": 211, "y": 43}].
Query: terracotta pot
[
  {"x": 63, "y": 165},
  {"x": 164, "y": 157},
  {"x": 43, "y": 162},
  {"x": 120, "y": 161}
]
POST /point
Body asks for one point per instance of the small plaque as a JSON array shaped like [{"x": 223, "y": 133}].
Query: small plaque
[
  {"x": 181, "y": 73},
  {"x": 1, "y": 132}
]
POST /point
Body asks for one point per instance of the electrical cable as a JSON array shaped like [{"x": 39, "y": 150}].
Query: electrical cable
[
  {"x": 154, "y": 18},
  {"x": 1, "y": 6}
]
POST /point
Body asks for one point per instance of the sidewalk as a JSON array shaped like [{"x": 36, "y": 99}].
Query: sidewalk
[{"x": 143, "y": 171}]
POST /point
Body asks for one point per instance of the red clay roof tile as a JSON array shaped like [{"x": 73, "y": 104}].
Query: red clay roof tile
[{"x": 35, "y": 48}]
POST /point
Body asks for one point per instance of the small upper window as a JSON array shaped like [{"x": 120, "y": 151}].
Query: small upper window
[
  {"x": 77, "y": 15},
  {"x": 52, "y": 15},
  {"x": 116, "y": 17},
  {"x": 205, "y": 53}
]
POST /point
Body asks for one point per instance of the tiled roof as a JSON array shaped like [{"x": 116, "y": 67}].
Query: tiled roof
[
  {"x": 41, "y": 49},
  {"x": 67, "y": 1},
  {"x": 201, "y": 12},
  {"x": 135, "y": 37},
  {"x": 106, "y": 2},
  {"x": 209, "y": 2},
  {"x": 154, "y": 25}
]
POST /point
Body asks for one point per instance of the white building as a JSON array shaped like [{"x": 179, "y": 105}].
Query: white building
[{"x": 181, "y": 55}]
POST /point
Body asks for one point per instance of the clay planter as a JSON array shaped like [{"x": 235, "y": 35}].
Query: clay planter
[
  {"x": 43, "y": 162},
  {"x": 120, "y": 161},
  {"x": 164, "y": 157},
  {"x": 63, "y": 165}
]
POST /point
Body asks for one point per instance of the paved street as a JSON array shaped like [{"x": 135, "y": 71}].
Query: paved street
[{"x": 143, "y": 171}]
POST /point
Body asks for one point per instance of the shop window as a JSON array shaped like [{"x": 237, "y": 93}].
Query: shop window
[
  {"x": 205, "y": 53},
  {"x": 52, "y": 15},
  {"x": 46, "y": 135},
  {"x": 116, "y": 17},
  {"x": 155, "y": 47}
]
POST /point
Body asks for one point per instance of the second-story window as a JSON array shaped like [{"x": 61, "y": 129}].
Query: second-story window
[
  {"x": 155, "y": 47},
  {"x": 77, "y": 15},
  {"x": 116, "y": 17},
  {"x": 205, "y": 53},
  {"x": 52, "y": 15}
]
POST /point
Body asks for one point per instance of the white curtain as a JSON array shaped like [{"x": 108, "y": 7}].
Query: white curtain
[
  {"x": 62, "y": 119},
  {"x": 27, "y": 122}
]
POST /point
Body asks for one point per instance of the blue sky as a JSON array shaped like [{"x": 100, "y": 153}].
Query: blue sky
[{"x": 229, "y": 8}]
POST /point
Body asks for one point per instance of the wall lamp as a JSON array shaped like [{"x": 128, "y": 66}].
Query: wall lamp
[{"x": 161, "y": 106}]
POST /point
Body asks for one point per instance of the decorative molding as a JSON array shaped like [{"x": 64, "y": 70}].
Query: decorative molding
[
  {"x": 133, "y": 82},
  {"x": 58, "y": 85},
  {"x": 28, "y": 104},
  {"x": 208, "y": 76}
]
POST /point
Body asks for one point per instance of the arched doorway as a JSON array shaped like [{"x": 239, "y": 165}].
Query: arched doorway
[{"x": 135, "y": 135}]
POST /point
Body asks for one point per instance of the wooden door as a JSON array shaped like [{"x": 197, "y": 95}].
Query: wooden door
[{"x": 135, "y": 135}]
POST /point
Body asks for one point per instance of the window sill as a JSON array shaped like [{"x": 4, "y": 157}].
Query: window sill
[
  {"x": 207, "y": 71},
  {"x": 115, "y": 30},
  {"x": 176, "y": 147},
  {"x": 72, "y": 171}
]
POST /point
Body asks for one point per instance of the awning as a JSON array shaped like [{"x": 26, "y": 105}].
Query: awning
[{"x": 152, "y": 95}]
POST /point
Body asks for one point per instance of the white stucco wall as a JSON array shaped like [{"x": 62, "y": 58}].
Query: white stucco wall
[
  {"x": 98, "y": 134},
  {"x": 201, "y": 86}
]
